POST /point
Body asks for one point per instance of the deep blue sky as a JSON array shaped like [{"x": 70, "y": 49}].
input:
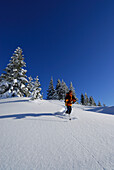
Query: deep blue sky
[{"x": 71, "y": 40}]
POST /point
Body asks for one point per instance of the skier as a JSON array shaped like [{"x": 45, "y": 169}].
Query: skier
[{"x": 69, "y": 100}]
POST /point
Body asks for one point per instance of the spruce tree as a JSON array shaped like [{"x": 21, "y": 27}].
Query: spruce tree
[
  {"x": 82, "y": 99},
  {"x": 86, "y": 100},
  {"x": 91, "y": 101},
  {"x": 63, "y": 90},
  {"x": 36, "y": 90},
  {"x": 73, "y": 90},
  {"x": 30, "y": 86},
  {"x": 3, "y": 86},
  {"x": 99, "y": 103},
  {"x": 15, "y": 75},
  {"x": 58, "y": 89},
  {"x": 51, "y": 93},
  {"x": 94, "y": 104}
]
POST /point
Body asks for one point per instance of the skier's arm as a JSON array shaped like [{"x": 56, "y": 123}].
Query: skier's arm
[{"x": 73, "y": 99}]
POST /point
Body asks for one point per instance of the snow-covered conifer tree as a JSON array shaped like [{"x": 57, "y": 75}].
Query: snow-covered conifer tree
[
  {"x": 58, "y": 88},
  {"x": 91, "y": 101},
  {"x": 104, "y": 104},
  {"x": 73, "y": 90},
  {"x": 63, "y": 90},
  {"x": 30, "y": 86},
  {"x": 51, "y": 93},
  {"x": 36, "y": 90},
  {"x": 4, "y": 86},
  {"x": 41, "y": 96},
  {"x": 66, "y": 90},
  {"x": 99, "y": 103},
  {"x": 82, "y": 99},
  {"x": 15, "y": 75},
  {"x": 86, "y": 100},
  {"x": 94, "y": 104}
]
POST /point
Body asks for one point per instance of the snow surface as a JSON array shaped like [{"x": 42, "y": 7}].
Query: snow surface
[{"x": 37, "y": 135}]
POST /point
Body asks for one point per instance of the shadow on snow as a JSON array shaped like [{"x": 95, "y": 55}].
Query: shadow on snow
[
  {"x": 15, "y": 101},
  {"x": 24, "y": 115},
  {"x": 103, "y": 110}
]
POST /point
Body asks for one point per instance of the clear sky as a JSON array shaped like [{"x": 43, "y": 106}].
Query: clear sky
[{"x": 71, "y": 40}]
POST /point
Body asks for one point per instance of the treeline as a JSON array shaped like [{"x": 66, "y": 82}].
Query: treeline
[
  {"x": 14, "y": 82},
  {"x": 89, "y": 101},
  {"x": 60, "y": 91}
]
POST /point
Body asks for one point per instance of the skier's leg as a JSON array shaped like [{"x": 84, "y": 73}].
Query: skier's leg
[
  {"x": 67, "y": 110},
  {"x": 70, "y": 112},
  {"x": 70, "y": 109}
]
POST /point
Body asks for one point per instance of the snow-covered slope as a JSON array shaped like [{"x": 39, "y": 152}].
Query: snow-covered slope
[{"x": 37, "y": 135}]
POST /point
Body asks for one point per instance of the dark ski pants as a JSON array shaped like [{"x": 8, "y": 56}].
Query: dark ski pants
[{"x": 69, "y": 109}]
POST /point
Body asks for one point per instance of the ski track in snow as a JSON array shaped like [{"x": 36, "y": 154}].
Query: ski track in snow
[
  {"x": 44, "y": 138},
  {"x": 88, "y": 152},
  {"x": 67, "y": 143}
]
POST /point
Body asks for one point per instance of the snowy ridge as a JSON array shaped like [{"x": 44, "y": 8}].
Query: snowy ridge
[{"x": 38, "y": 135}]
